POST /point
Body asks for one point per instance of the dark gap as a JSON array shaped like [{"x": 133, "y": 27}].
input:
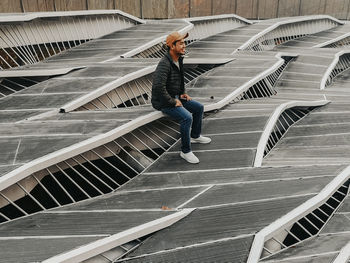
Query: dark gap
[
  {"x": 88, "y": 176},
  {"x": 315, "y": 220},
  {"x": 297, "y": 231},
  {"x": 308, "y": 226},
  {"x": 100, "y": 175},
  {"x": 72, "y": 189},
  {"x": 2, "y": 219},
  {"x": 321, "y": 215},
  {"x": 333, "y": 203},
  {"x": 55, "y": 190},
  {"x": 81, "y": 182},
  {"x": 43, "y": 197},
  {"x": 11, "y": 211},
  {"x": 28, "y": 204}
]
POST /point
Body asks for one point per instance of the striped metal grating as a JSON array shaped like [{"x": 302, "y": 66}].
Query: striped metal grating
[
  {"x": 343, "y": 64},
  {"x": 12, "y": 85},
  {"x": 285, "y": 121},
  {"x": 203, "y": 28},
  {"x": 308, "y": 226},
  {"x": 115, "y": 254},
  {"x": 265, "y": 87},
  {"x": 284, "y": 32},
  {"x": 137, "y": 92},
  {"x": 95, "y": 172},
  {"x": 28, "y": 42}
]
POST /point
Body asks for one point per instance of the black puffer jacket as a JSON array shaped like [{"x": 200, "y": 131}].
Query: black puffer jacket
[{"x": 168, "y": 82}]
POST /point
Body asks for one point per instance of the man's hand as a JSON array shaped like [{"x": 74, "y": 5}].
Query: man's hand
[
  {"x": 185, "y": 97},
  {"x": 178, "y": 103}
]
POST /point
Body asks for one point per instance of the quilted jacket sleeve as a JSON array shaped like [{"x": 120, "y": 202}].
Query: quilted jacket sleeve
[{"x": 160, "y": 95}]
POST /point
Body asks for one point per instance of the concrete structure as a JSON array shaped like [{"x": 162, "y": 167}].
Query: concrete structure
[{"x": 89, "y": 172}]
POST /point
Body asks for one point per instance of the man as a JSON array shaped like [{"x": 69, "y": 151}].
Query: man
[{"x": 169, "y": 96}]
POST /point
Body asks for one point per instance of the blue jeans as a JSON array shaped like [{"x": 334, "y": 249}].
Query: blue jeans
[{"x": 191, "y": 114}]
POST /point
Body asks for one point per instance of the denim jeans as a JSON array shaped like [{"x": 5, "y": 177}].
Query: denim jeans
[{"x": 191, "y": 114}]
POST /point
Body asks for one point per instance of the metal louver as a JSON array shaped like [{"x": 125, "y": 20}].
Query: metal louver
[
  {"x": 265, "y": 87},
  {"x": 284, "y": 122},
  {"x": 30, "y": 40},
  {"x": 137, "y": 92},
  {"x": 12, "y": 85},
  {"x": 308, "y": 226},
  {"x": 285, "y": 31},
  {"x": 89, "y": 174}
]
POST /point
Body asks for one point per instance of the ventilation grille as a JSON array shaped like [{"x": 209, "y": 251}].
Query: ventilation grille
[
  {"x": 11, "y": 85},
  {"x": 287, "y": 32},
  {"x": 306, "y": 227},
  {"x": 203, "y": 28},
  {"x": 92, "y": 173},
  {"x": 284, "y": 122},
  {"x": 342, "y": 65},
  {"x": 138, "y": 91},
  {"x": 264, "y": 87},
  {"x": 25, "y": 43}
]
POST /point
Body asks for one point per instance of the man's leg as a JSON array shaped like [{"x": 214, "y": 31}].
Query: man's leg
[
  {"x": 197, "y": 110},
  {"x": 185, "y": 118}
]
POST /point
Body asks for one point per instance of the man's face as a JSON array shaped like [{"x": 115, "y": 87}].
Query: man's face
[{"x": 179, "y": 47}]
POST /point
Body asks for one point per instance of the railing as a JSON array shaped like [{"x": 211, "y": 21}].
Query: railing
[
  {"x": 342, "y": 41},
  {"x": 257, "y": 87},
  {"x": 137, "y": 92},
  {"x": 308, "y": 226},
  {"x": 90, "y": 173},
  {"x": 302, "y": 223},
  {"x": 287, "y": 30},
  {"x": 201, "y": 27},
  {"x": 212, "y": 25},
  {"x": 279, "y": 122},
  {"x": 15, "y": 81},
  {"x": 266, "y": 86},
  {"x": 287, "y": 119},
  {"x": 134, "y": 89},
  {"x": 340, "y": 63},
  {"x": 119, "y": 243},
  {"x": 31, "y": 38}
]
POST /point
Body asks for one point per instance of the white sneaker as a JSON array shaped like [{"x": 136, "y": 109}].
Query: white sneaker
[
  {"x": 201, "y": 139},
  {"x": 189, "y": 157}
]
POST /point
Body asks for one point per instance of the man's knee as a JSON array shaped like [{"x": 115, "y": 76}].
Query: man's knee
[
  {"x": 201, "y": 108},
  {"x": 187, "y": 118}
]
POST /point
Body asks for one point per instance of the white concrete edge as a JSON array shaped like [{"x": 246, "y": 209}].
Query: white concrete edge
[
  {"x": 272, "y": 122},
  {"x": 330, "y": 68},
  {"x": 75, "y": 149},
  {"x": 215, "y": 17},
  {"x": 246, "y": 86},
  {"x": 106, "y": 88},
  {"x": 331, "y": 41},
  {"x": 344, "y": 255},
  {"x": 296, "y": 214},
  {"x": 284, "y": 22},
  {"x": 100, "y": 246},
  {"x": 24, "y": 17},
  {"x": 129, "y": 77},
  {"x": 150, "y": 44},
  {"x": 190, "y": 60},
  {"x": 46, "y": 114},
  {"x": 37, "y": 72}
]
